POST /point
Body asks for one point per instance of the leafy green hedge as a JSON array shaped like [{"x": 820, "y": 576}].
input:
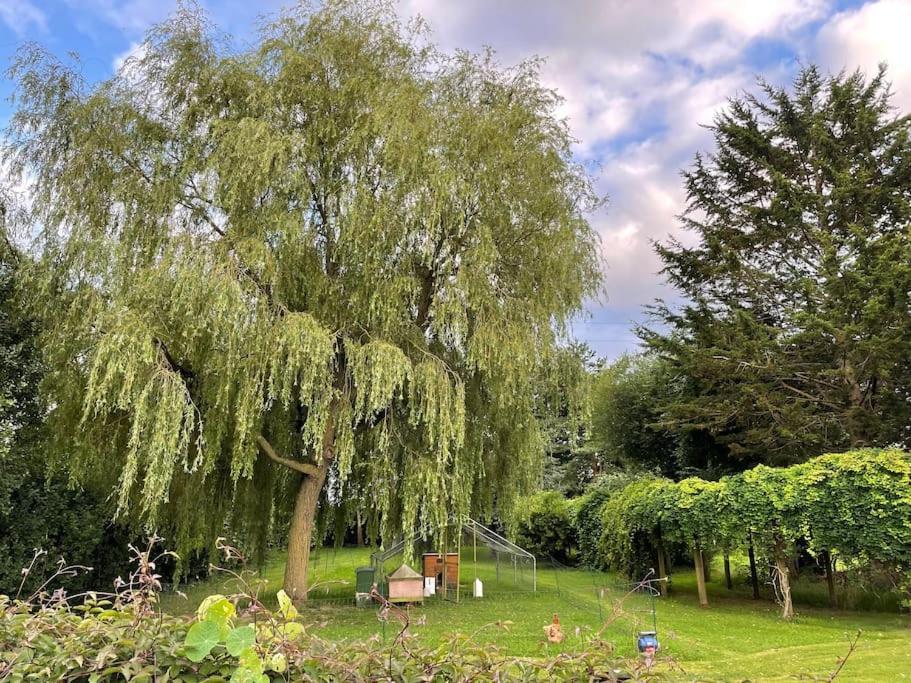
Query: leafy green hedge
[
  {"x": 855, "y": 505},
  {"x": 570, "y": 530},
  {"x": 589, "y": 513},
  {"x": 546, "y": 527}
]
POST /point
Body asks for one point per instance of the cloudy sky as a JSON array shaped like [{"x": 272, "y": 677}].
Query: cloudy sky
[{"x": 638, "y": 77}]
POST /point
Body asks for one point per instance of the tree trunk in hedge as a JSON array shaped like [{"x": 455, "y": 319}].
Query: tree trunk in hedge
[
  {"x": 727, "y": 572},
  {"x": 700, "y": 576},
  {"x": 830, "y": 578},
  {"x": 783, "y": 571},
  {"x": 754, "y": 577},
  {"x": 662, "y": 569}
]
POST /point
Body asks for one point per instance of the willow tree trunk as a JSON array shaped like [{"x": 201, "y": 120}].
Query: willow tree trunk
[
  {"x": 304, "y": 517},
  {"x": 727, "y": 572},
  {"x": 700, "y": 576},
  {"x": 359, "y": 532},
  {"x": 301, "y": 533}
]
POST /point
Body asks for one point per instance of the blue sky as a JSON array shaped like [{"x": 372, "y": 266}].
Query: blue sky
[{"x": 638, "y": 78}]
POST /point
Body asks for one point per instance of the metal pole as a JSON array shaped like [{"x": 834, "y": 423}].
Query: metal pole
[
  {"x": 534, "y": 575},
  {"x": 599, "y": 594},
  {"x": 654, "y": 616},
  {"x": 458, "y": 565},
  {"x": 442, "y": 555}
]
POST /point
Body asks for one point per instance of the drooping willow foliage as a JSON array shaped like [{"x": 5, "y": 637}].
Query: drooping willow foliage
[
  {"x": 855, "y": 505},
  {"x": 337, "y": 256}
]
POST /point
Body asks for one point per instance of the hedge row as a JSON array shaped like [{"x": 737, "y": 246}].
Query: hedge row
[
  {"x": 856, "y": 505},
  {"x": 123, "y": 638},
  {"x": 569, "y": 530}
]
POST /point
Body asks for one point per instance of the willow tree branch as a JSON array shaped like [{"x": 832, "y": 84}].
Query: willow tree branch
[
  {"x": 185, "y": 372},
  {"x": 303, "y": 467}
]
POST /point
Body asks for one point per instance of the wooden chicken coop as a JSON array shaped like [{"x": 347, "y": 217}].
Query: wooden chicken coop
[{"x": 436, "y": 565}]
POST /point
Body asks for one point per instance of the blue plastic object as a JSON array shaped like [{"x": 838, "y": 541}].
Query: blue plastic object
[{"x": 647, "y": 640}]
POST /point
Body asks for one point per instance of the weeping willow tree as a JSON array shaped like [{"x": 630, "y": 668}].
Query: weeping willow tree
[{"x": 336, "y": 264}]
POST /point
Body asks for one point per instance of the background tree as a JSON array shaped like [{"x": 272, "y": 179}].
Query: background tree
[
  {"x": 571, "y": 459},
  {"x": 336, "y": 259},
  {"x": 546, "y": 528},
  {"x": 629, "y": 425},
  {"x": 794, "y": 329},
  {"x": 38, "y": 510}
]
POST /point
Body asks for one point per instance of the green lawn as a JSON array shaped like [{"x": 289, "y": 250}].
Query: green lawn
[{"x": 734, "y": 639}]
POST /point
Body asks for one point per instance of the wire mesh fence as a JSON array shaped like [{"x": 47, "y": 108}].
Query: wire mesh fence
[
  {"x": 498, "y": 595},
  {"x": 519, "y": 598}
]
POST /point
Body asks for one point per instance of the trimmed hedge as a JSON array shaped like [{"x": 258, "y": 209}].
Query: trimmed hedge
[{"x": 856, "y": 505}]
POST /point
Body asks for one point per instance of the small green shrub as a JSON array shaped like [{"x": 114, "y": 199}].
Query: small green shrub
[{"x": 547, "y": 527}]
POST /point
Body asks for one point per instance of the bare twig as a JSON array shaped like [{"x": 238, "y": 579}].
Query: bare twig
[
  {"x": 617, "y": 611},
  {"x": 843, "y": 660}
]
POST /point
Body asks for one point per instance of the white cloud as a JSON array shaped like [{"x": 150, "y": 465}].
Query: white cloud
[
  {"x": 20, "y": 15},
  {"x": 864, "y": 37},
  {"x": 612, "y": 59},
  {"x": 750, "y": 19},
  {"x": 639, "y": 78},
  {"x": 133, "y": 16},
  {"x": 135, "y": 51}
]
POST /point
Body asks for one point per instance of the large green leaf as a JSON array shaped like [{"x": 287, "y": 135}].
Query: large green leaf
[
  {"x": 250, "y": 668},
  {"x": 240, "y": 639},
  {"x": 285, "y": 606},
  {"x": 218, "y": 609},
  {"x": 201, "y": 638}
]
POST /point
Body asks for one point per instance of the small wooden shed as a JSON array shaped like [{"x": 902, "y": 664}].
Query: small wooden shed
[{"x": 406, "y": 585}]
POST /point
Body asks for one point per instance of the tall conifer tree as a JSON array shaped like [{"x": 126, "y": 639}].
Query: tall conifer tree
[{"x": 794, "y": 331}]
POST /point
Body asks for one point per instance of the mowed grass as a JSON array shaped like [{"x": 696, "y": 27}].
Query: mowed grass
[{"x": 734, "y": 639}]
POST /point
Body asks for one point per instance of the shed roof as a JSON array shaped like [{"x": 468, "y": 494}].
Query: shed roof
[{"x": 404, "y": 572}]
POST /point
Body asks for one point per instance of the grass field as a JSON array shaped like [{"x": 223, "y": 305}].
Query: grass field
[{"x": 735, "y": 639}]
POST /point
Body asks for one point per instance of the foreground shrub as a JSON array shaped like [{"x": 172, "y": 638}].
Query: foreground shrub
[
  {"x": 547, "y": 527},
  {"x": 102, "y": 643},
  {"x": 122, "y": 636}
]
